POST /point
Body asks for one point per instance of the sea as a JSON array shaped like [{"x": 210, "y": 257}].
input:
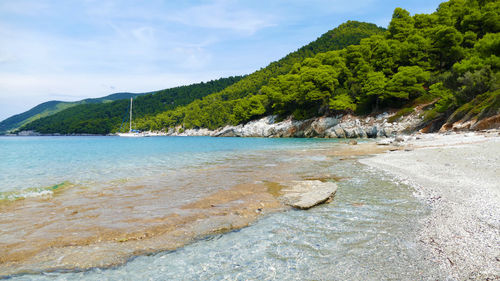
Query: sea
[{"x": 71, "y": 206}]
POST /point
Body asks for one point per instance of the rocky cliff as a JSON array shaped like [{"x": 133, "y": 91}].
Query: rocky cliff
[{"x": 341, "y": 126}]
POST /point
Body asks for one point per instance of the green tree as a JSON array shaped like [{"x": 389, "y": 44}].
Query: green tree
[
  {"x": 401, "y": 25},
  {"x": 446, "y": 46},
  {"x": 489, "y": 45},
  {"x": 342, "y": 102},
  {"x": 408, "y": 82},
  {"x": 490, "y": 18},
  {"x": 445, "y": 95},
  {"x": 375, "y": 85}
]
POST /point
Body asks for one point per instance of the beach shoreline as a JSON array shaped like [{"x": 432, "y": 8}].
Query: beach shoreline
[
  {"x": 458, "y": 176},
  {"x": 243, "y": 204}
]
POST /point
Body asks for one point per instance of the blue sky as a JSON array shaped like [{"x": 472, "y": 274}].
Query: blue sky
[{"x": 70, "y": 50}]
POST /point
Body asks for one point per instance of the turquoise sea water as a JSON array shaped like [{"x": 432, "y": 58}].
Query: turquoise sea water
[
  {"x": 369, "y": 232},
  {"x": 28, "y": 162}
]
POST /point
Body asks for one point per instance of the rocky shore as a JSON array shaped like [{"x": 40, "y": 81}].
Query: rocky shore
[
  {"x": 387, "y": 124},
  {"x": 341, "y": 126}
]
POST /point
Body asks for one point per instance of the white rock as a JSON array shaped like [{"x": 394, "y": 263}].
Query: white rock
[
  {"x": 307, "y": 194},
  {"x": 384, "y": 142}
]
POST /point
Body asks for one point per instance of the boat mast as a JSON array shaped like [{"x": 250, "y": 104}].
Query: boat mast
[{"x": 130, "y": 126}]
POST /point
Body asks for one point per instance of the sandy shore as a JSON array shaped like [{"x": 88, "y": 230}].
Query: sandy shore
[{"x": 458, "y": 175}]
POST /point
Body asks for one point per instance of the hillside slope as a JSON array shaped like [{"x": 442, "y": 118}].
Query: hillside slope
[
  {"x": 103, "y": 118},
  {"x": 52, "y": 107}
]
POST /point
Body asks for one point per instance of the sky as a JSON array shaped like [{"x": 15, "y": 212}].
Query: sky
[{"x": 71, "y": 50}]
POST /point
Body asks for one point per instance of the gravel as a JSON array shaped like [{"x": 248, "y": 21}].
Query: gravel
[{"x": 458, "y": 175}]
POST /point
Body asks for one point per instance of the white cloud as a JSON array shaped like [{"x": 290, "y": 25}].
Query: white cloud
[
  {"x": 20, "y": 92},
  {"x": 23, "y": 7},
  {"x": 127, "y": 49},
  {"x": 92, "y": 85},
  {"x": 144, "y": 34},
  {"x": 223, "y": 14}
]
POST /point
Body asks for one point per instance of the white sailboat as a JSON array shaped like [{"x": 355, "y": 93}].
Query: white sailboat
[{"x": 131, "y": 133}]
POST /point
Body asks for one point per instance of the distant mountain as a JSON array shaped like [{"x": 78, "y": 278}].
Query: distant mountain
[
  {"x": 52, "y": 107},
  {"x": 105, "y": 117}
]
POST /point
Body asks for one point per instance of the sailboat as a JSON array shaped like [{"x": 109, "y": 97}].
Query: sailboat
[{"x": 131, "y": 133}]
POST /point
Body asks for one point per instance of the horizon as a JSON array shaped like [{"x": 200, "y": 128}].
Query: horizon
[{"x": 55, "y": 50}]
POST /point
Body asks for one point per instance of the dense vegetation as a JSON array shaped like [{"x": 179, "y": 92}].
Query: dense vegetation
[
  {"x": 52, "y": 107},
  {"x": 102, "y": 118},
  {"x": 448, "y": 60},
  {"x": 450, "y": 56}
]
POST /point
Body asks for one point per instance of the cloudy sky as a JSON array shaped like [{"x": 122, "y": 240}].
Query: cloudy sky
[{"x": 70, "y": 50}]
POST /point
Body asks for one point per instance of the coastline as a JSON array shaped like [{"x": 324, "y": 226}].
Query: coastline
[
  {"x": 386, "y": 124},
  {"x": 243, "y": 205},
  {"x": 458, "y": 176}
]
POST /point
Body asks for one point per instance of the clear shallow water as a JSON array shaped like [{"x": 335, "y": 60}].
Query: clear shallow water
[
  {"x": 28, "y": 162},
  {"x": 367, "y": 233}
]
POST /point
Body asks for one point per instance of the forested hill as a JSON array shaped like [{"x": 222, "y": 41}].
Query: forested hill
[
  {"x": 102, "y": 118},
  {"x": 346, "y": 34},
  {"x": 448, "y": 60},
  {"x": 52, "y": 107},
  {"x": 224, "y": 107}
]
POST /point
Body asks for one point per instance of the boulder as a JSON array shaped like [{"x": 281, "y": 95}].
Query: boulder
[
  {"x": 351, "y": 133},
  {"x": 360, "y": 132},
  {"x": 229, "y": 131},
  {"x": 371, "y": 132},
  {"x": 307, "y": 194},
  {"x": 303, "y": 128},
  {"x": 385, "y": 142},
  {"x": 259, "y": 128},
  {"x": 330, "y": 133},
  {"x": 381, "y": 133},
  {"x": 399, "y": 139},
  {"x": 322, "y": 124},
  {"x": 339, "y": 131},
  {"x": 281, "y": 129}
]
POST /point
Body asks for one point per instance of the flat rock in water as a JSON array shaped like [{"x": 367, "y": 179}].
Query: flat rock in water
[
  {"x": 307, "y": 194},
  {"x": 385, "y": 142}
]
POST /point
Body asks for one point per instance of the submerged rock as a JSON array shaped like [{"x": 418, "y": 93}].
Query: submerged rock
[
  {"x": 307, "y": 194},
  {"x": 353, "y": 142},
  {"x": 385, "y": 142},
  {"x": 399, "y": 139}
]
